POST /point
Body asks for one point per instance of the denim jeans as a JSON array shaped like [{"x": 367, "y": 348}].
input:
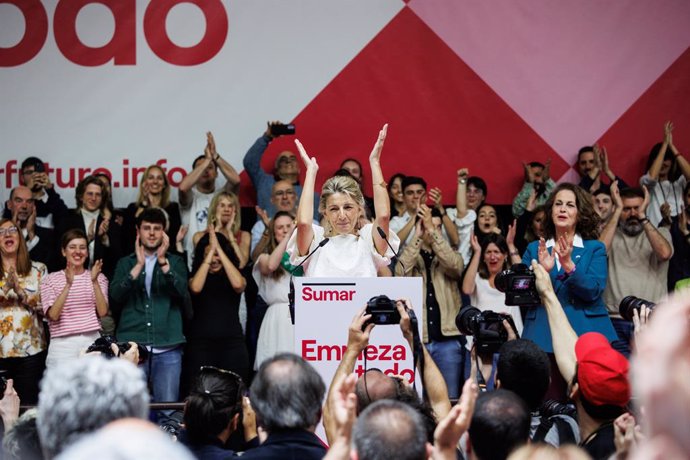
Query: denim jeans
[
  {"x": 163, "y": 372},
  {"x": 450, "y": 357}
]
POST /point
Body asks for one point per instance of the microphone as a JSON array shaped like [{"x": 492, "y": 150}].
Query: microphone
[
  {"x": 291, "y": 294},
  {"x": 383, "y": 235}
]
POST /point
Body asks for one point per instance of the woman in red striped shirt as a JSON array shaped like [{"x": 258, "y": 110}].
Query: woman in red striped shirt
[{"x": 73, "y": 299}]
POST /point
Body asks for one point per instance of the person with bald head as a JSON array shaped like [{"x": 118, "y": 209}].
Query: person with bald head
[
  {"x": 22, "y": 210},
  {"x": 285, "y": 167},
  {"x": 283, "y": 198}
]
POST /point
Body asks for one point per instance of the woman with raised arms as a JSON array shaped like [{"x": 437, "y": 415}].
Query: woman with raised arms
[{"x": 352, "y": 251}]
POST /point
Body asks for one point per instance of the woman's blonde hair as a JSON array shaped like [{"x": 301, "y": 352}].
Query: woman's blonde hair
[
  {"x": 340, "y": 184},
  {"x": 214, "y": 204},
  {"x": 165, "y": 193}
]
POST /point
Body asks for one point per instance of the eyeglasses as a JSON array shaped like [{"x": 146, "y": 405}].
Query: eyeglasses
[
  {"x": 282, "y": 193},
  {"x": 287, "y": 159},
  {"x": 8, "y": 231}
]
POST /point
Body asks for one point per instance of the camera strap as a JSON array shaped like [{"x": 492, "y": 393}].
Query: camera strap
[{"x": 417, "y": 351}]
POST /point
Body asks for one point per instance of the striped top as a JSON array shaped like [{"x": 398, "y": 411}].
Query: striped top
[{"x": 79, "y": 313}]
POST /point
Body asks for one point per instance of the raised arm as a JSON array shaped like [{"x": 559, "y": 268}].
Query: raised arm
[
  {"x": 683, "y": 164},
  {"x": 185, "y": 187},
  {"x": 461, "y": 194},
  {"x": 659, "y": 160},
  {"x": 236, "y": 279},
  {"x": 468, "y": 283},
  {"x": 381, "y": 200},
  {"x": 268, "y": 263},
  {"x": 225, "y": 168},
  {"x": 448, "y": 224},
  {"x": 563, "y": 335},
  {"x": 660, "y": 245},
  {"x": 305, "y": 210},
  {"x": 609, "y": 229}
]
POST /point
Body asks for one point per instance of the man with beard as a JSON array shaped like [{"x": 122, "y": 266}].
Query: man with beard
[
  {"x": 638, "y": 258},
  {"x": 149, "y": 290}
]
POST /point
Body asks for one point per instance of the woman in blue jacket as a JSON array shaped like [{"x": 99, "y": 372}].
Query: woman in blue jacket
[{"x": 577, "y": 263}]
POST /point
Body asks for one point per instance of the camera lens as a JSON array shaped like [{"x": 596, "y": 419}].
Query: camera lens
[
  {"x": 631, "y": 303},
  {"x": 465, "y": 319}
]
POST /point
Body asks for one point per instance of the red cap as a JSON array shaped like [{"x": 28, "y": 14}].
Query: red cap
[{"x": 602, "y": 372}]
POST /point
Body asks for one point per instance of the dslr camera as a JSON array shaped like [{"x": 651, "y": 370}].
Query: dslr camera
[
  {"x": 382, "y": 311},
  {"x": 102, "y": 346},
  {"x": 631, "y": 303},
  {"x": 519, "y": 284},
  {"x": 485, "y": 326}
]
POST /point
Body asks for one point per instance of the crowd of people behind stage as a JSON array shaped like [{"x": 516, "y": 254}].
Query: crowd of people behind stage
[{"x": 199, "y": 301}]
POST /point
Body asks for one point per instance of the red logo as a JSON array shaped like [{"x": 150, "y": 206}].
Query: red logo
[{"x": 121, "y": 49}]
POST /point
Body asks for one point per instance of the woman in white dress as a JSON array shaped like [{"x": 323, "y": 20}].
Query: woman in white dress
[
  {"x": 272, "y": 275},
  {"x": 489, "y": 258},
  {"x": 352, "y": 251}
]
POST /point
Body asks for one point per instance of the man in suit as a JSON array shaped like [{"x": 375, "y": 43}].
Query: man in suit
[{"x": 286, "y": 395}]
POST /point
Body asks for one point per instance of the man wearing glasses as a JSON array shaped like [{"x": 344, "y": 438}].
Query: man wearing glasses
[
  {"x": 283, "y": 198},
  {"x": 286, "y": 167}
]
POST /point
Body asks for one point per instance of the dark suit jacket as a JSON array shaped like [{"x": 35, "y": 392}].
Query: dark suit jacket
[
  {"x": 288, "y": 445},
  {"x": 580, "y": 295}
]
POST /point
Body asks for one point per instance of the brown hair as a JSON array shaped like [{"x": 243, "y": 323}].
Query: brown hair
[
  {"x": 81, "y": 189},
  {"x": 587, "y": 218},
  {"x": 23, "y": 260},
  {"x": 272, "y": 244},
  {"x": 502, "y": 246}
]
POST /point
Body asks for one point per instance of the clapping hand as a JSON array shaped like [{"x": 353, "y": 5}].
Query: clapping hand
[
  {"x": 95, "y": 270},
  {"x": 375, "y": 155},
  {"x": 310, "y": 163},
  {"x": 546, "y": 259}
]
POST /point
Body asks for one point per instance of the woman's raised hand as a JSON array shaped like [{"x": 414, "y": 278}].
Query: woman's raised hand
[
  {"x": 564, "y": 249},
  {"x": 310, "y": 163},
  {"x": 95, "y": 270},
  {"x": 546, "y": 260},
  {"x": 510, "y": 236},
  {"x": 378, "y": 146},
  {"x": 476, "y": 247}
]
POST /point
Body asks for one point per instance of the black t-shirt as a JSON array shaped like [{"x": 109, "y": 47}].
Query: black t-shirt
[{"x": 600, "y": 444}]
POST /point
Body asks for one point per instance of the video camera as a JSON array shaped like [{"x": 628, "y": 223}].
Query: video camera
[
  {"x": 485, "y": 326},
  {"x": 519, "y": 284}
]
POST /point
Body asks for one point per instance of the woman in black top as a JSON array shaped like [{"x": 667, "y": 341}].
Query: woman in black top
[{"x": 214, "y": 334}]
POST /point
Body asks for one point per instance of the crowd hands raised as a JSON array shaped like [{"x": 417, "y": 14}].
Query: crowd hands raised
[{"x": 97, "y": 270}]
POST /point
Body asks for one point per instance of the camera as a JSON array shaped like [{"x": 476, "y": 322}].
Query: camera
[
  {"x": 485, "y": 326},
  {"x": 630, "y": 303},
  {"x": 103, "y": 344},
  {"x": 382, "y": 311},
  {"x": 519, "y": 285},
  {"x": 282, "y": 129},
  {"x": 551, "y": 407}
]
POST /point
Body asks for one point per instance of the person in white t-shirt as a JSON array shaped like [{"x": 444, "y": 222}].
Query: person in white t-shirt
[{"x": 197, "y": 189}]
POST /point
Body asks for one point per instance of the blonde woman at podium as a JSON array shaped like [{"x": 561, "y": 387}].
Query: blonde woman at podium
[{"x": 341, "y": 248}]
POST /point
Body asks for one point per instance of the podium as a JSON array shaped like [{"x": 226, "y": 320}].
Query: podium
[{"x": 324, "y": 309}]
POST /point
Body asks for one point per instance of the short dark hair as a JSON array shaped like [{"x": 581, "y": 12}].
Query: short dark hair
[
  {"x": 524, "y": 368},
  {"x": 478, "y": 182},
  {"x": 287, "y": 393},
  {"x": 213, "y": 401},
  {"x": 153, "y": 216},
  {"x": 412, "y": 180},
  {"x": 536, "y": 164},
  {"x": 343, "y": 172},
  {"x": 632, "y": 192},
  {"x": 603, "y": 189},
  {"x": 389, "y": 429},
  {"x": 200, "y": 157},
  {"x": 81, "y": 189},
  {"x": 500, "y": 424},
  {"x": 32, "y": 161}
]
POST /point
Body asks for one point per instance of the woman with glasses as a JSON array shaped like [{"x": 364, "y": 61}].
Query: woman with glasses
[
  {"x": 212, "y": 413},
  {"x": 22, "y": 338}
]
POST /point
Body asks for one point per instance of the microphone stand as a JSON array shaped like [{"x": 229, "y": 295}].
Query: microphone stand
[
  {"x": 291, "y": 294},
  {"x": 383, "y": 235}
]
